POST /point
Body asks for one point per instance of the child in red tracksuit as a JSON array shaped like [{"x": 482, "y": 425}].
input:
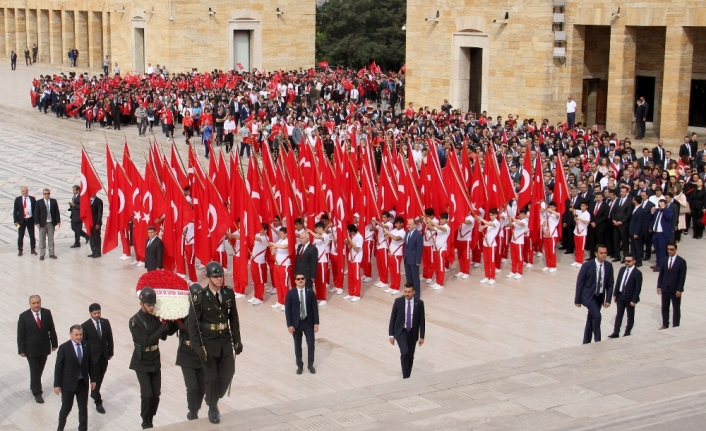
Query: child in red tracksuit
[
  {"x": 520, "y": 225},
  {"x": 550, "y": 224},
  {"x": 490, "y": 230}
]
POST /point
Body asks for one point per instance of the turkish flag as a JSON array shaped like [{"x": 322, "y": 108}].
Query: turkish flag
[
  {"x": 561, "y": 193},
  {"x": 110, "y": 237},
  {"x": 240, "y": 66},
  {"x": 90, "y": 185},
  {"x": 178, "y": 169},
  {"x": 478, "y": 192},
  {"x": 179, "y": 213},
  {"x": 525, "y": 195},
  {"x": 538, "y": 197},
  {"x": 323, "y": 64},
  {"x": 496, "y": 199},
  {"x": 506, "y": 181},
  {"x": 387, "y": 187},
  {"x": 216, "y": 218}
]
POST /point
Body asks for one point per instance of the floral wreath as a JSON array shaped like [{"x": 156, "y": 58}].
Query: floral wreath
[{"x": 172, "y": 293}]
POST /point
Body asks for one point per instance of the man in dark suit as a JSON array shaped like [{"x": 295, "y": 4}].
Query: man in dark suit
[
  {"x": 661, "y": 229},
  {"x": 407, "y": 326},
  {"x": 645, "y": 159},
  {"x": 687, "y": 151},
  {"x": 115, "y": 112},
  {"x": 74, "y": 366},
  {"x": 97, "y": 215},
  {"x": 23, "y": 216},
  {"x": 599, "y": 224},
  {"x": 670, "y": 284},
  {"x": 594, "y": 288},
  {"x": 637, "y": 223},
  {"x": 76, "y": 223},
  {"x": 676, "y": 209},
  {"x": 36, "y": 339},
  {"x": 154, "y": 250},
  {"x": 302, "y": 312},
  {"x": 620, "y": 218},
  {"x": 658, "y": 153},
  {"x": 306, "y": 259},
  {"x": 626, "y": 295},
  {"x": 99, "y": 336},
  {"x": 46, "y": 218},
  {"x": 641, "y": 117},
  {"x": 413, "y": 247},
  {"x": 646, "y": 225}
]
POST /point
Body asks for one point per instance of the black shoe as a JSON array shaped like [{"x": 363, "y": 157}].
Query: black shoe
[
  {"x": 87, "y": 239},
  {"x": 146, "y": 425},
  {"x": 568, "y": 252},
  {"x": 193, "y": 414},
  {"x": 561, "y": 248},
  {"x": 312, "y": 370},
  {"x": 19, "y": 253},
  {"x": 638, "y": 265},
  {"x": 34, "y": 252},
  {"x": 91, "y": 255},
  {"x": 300, "y": 370},
  {"x": 75, "y": 245},
  {"x": 614, "y": 335},
  {"x": 100, "y": 409},
  {"x": 39, "y": 399},
  {"x": 617, "y": 259},
  {"x": 96, "y": 255},
  {"x": 627, "y": 334},
  {"x": 214, "y": 416}
]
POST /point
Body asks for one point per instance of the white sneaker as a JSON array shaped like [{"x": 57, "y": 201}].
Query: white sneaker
[
  {"x": 503, "y": 259},
  {"x": 322, "y": 303},
  {"x": 484, "y": 280},
  {"x": 518, "y": 276},
  {"x": 367, "y": 279},
  {"x": 181, "y": 275},
  {"x": 552, "y": 270},
  {"x": 578, "y": 264},
  {"x": 379, "y": 284},
  {"x": 529, "y": 265},
  {"x": 256, "y": 301},
  {"x": 251, "y": 299},
  {"x": 355, "y": 299},
  {"x": 124, "y": 257},
  {"x": 140, "y": 264},
  {"x": 458, "y": 274},
  {"x": 271, "y": 290},
  {"x": 388, "y": 290},
  {"x": 437, "y": 287},
  {"x": 491, "y": 281},
  {"x": 510, "y": 275},
  {"x": 433, "y": 286},
  {"x": 239, "y": 295},
  {"x": 332, "y": 289},
  {"x": 427, "y": 281},
  {"x": 134, "y": 262},
  {"x": 282, "y": 308},
  {"x": 394, "y": 291},
  {"x": 546, "y": 268},
  {"x": 384, "y": 286},
  {"x": 476, "y": 265},
  {"x": 339, "y": 291},
  {"x": 347, "y": 297},
  {"x": 498, "y": 270},
  {"x": 464, "y": 276},
  {"x": 278, "y": 305}
]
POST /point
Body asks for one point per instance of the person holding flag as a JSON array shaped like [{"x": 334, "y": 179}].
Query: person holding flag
[
  {"x": 354, "y": 241},
  {"x": 519, "y": 227},
  {"x": 395, "y": 254},
  {"x": 280, "y": 250},
  {"x": 490, "y": 230},
  {"x": 439, "y": 246},
  {"x": 550, "y": 222},
  {"x": 463, "y": 246},
  {"x": 258, "y": 265},
  {"x": 581, "y": 219}
]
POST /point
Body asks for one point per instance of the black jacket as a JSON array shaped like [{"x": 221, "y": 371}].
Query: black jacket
[
  {"x": 672, "y": 280},
  {"x": 154, "y": 254},
  {"x": 207, "y": 311},
  {"x": 306, "y": 262},
  {"x": 292, "y": 307},
  {"x": 40, "y": 212},
  {"x": 632, "y": 288},
  {"x": 76, "y": 209},
  {"x": 18, "y": 212},
  {"x": 32, "y": 341},
  {"x": 100, "y": 345},
  {"x": 67, "y": 367},
  {"x": 146, "y": 331},
  {"x": 397, "y": 318},
  {"x": 97, "y": 211}
]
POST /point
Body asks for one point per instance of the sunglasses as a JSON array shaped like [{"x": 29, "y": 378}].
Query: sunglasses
[
  {"x": 300, "y": 278},
  {"x": 671, "y": 249},
  {"x": 47, "y": 193}
]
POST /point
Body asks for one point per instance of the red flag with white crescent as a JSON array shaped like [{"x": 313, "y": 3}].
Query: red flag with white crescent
[
  {"x": 525, "y": 195},
  {"x": 90, "y": 185},
  {"x": 538, "y": 197}
]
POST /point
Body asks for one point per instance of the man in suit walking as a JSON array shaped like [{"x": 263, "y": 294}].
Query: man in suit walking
[
  {"x": 661, "y": 228},
  {"x": 594, "y": 287},
  {"x": 413, "y": 247},
  {"x": 99, "y": 336},
  {"x": 306, "y": 260},
  {"x": 36, "y": 339},
  {"x": 47, "y": 219},
  {"x": 97, "y": 215},
  {"x": 626, "y": 295},
  {"x": 637, "y": 222},
  {"x": 659, "y": 153},
  {"x": 620, "y": 218},
  {"x": 302, "y": 312},
  {"x": 76, "y": 223},
  {"x": 154, "y": 250},
  {"x": 670, "y": 284},
  {"x": 74, "y": 367},
  {"x": 23, "y": 216},
  {"x": 407, "y": 326}
]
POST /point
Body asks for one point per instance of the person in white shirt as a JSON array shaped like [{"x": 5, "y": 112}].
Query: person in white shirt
[
  {"x": 381, "y": 248},
  {"x": 582, "y": 218},
  {"x": 463, "y": 246},
  {"x": 367, "y": 262},
  {"x": 354, "y": 242},
  {"x": 520, "y": 226},
  {"x": 188, "y": 234},
  {"x": 228, "y": 131},
  {"x": 280, "y": 250},
  {"x": 321, "y": 242},
  {"x": 550, "y": 223},
  {"x": 570, "y": 113},
  {"x": 395, "y": 254},
  {"x": 428, "y": 235},
  {"x": 490, "y": 231},
  {"x": 273, "y": 236},
  {"x": 500, "y": 251},
  {"x": 258, "y": 265},
  {"x": 439, "y": 247}
]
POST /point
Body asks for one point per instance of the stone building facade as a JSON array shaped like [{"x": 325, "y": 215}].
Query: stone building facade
[
  {"x": 526, "y": 57},
  {"x": 218, "y": 34}
]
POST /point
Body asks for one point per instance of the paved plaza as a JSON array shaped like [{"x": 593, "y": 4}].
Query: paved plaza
[{"x": 497, "y": 357}]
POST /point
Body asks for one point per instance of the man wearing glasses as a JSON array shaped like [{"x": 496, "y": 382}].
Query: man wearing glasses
[
  {"x": 626, "y": 295},
  {"x": 46, "y": 218},
  {"x": 670, "y": 285},
  {"x": 302, "y": 313}
]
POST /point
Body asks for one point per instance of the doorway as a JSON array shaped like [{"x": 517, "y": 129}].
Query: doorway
[
  {"x": 594, "y": 102},
  {"x": 475, "y": 80},
  {"x": 138, "y": 64},
  {"x": 697, "y": 103},
  {"x": 241, "y": 49},
  {"x": 645, "y": 87}
]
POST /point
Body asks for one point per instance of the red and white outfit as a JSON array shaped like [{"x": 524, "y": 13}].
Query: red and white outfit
[
  {"x": 394, "y": 259},
  {"x": 381, "y": 250},
  {"x": 550, "y": 222},
  {"x": 269, "y": 257},
  {"x": 367, "y": 262},
  {"x": 517, "y": 244},
  {"x": 282, "y": 264},
  {"x": 334, "y": 260},
  {"x": 258, "y": 265},
  {"x": 501, "y": 251},
  {"x": 527, "y": 249},
  {"x": 580, "y": 232},
  {"x": 354, "y": 262},
  {"x": 439, "y": 248},
  {"x": 463, "y": 245},
  {"x": 322, "y": 270},
  {"x": 489, "y": 248},
  {"x": 221, "y": 254},
  {"x": 427, "y": 255},
  {"x": 240, "y": 267},
  {"x": 189, "y": 252}
]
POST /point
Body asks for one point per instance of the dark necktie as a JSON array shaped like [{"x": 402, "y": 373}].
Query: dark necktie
[
  {"x": 79, "y": 355},
  {"x": 39, "y": 322},
  {"x": 671, "y": 262},
  {"x": 218, "y": 298},
  {"x": 408, "y": 324},
  {"x": 98, "y": 328},
  {"x": 301, "y": 249}
]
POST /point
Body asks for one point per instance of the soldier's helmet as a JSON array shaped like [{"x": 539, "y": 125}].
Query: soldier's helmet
[
  {"x": 147, "y": 296},
  {"x": 214, "y": 269}
]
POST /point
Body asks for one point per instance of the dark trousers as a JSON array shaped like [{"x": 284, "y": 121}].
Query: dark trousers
[
  {"x": 660, "y": 243},
  {"x": 116, "y": 120},
  {"x": 593, "y": 319},
  {"x": 150, "y": 390},
  {"x": 640, "y": 128},
  {"x": 570, "y": 119},
  {"x": 668, "y": 297},
  {"x": 307, "y": 329},
  {"x": 647, "y": 244},
  {"x": 13, "y": 64},
  {"x": 622, "y": 303},
  {"x": 411, "y": 272},
  {"x": 28, "y": 226},
  {"x": 217, "y": 374},
  {"x": 407, "y": 344},
  {"x": 621, "y": 242},
  {"x": 195, "y": 387},
  {"x": 77, "y": 227},
  {"x": 67, "y": 403},
  {"x": 636, "y": 248},
  {"x": 567, "y": 240},
  {"x": 95, "y": 240},
  {"x": 36, "y": 368},
  {"x": 101, "y": 368}
]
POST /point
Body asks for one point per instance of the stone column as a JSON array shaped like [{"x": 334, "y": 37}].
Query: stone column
[
  {"x": 95, "y": 39},
  {"x": 32, "y": 34},
  {"x": 2, "y": 34},
  {"x": 44, "y": 38},
  {"x": 575, "y": 44},
  {"x": 82, "y": 37},
  {"x": 21, "y": 32},
  {"x": 106, "y": 39},
  {"x": 10, "y": 31},
  {"x": 56, "y": 49},
  {"x": 621, "y": 80},
  {"x": 678, "y": 59},
  {"x": 68, "y": 32}
]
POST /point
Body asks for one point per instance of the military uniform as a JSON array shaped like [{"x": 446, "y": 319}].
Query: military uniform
[
  {"x": 214, "y": 319},
  {"x": 192, "y": 369},
  {"x": 146, "y": 331}
]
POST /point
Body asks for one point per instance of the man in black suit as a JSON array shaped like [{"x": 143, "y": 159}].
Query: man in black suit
[
  {"x": 413, "y": 247},
  {"x": 74, "y": 366},
  {"x": 115, "y": 112},
  {"x": 407, "y": 327},
  {"x": 76, "y": 223},
  {"x": 36, "y": 339},
  {"x": 23, "y": 216},
  {"x": 47, "y": 219},
  {"x": 97, "y": 215},
  {"x": 645, "y": 159},
  {"x": 594, "y": 287},
  {"x": 620, "y": 218},
  {"x": 670, "y": 284},
  {"x": 99, "y": 336},
  {"x": 154, "y": 250},
  {"x": 635, "y": 228},
  {"x": 658, "y": 153},
  {"x": 641, "y": 117},
  {"x": 302, "y": 312},
  {"x": 626, "y": 295},
  {"x": 306, "y": 259},
  {"x": 687, "y": 151},
  {"x": 599, "y": 224}
]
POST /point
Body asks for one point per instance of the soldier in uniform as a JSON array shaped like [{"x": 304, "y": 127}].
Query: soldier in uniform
[
  {"x": 214, "y": 333},
  {"x": 191, "y": 366},
  {"x": 147, "y": 330}
]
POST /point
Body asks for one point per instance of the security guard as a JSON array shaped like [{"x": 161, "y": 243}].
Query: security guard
[
  {"x": 146, "y": 331},
  {"x": 214, "y": 332},
  {"x": 191, "y": 366}
]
